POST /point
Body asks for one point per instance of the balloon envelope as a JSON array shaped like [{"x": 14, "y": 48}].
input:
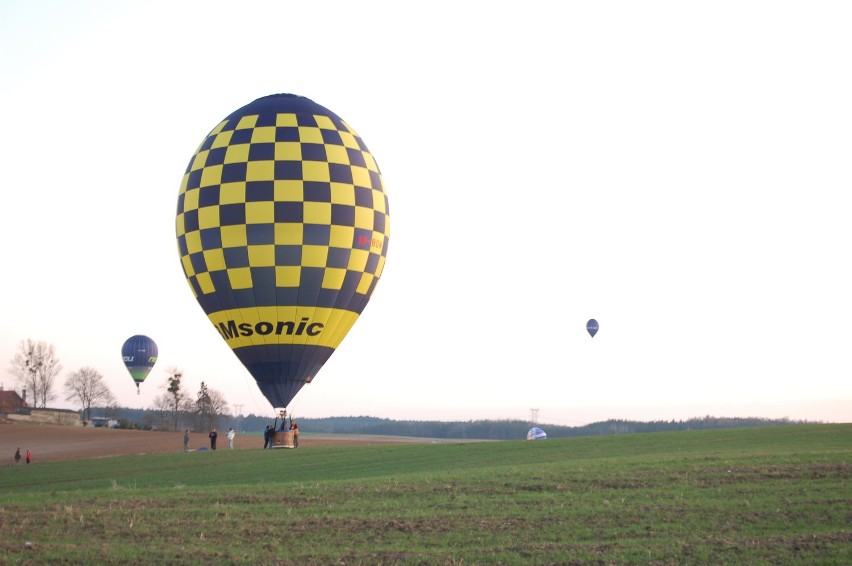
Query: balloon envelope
[
  {"x": 282, "y": 229},
  {"x": 139, "y": 354},
  {"x": 592, "y": 327},
  {"x": 536, "y": 433}
]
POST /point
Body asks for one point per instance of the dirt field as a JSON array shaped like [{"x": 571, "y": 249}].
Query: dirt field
[{"x": 50, "y": 443}]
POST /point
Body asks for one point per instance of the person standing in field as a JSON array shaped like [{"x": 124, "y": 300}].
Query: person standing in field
[
  {"x": 186, "y": 440},
  {"x": 231, "y": 435},
  {"x": 29, "y": 456},
  {"x": 266, "y": 435},
  {"x": 213, "y": 436},
  {"x": 18, "y": 456},
  {"x": 295, "y": 428}
]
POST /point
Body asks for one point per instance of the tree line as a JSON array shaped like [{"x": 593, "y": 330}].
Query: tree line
[
  {"x": 449, "y": 430},
  {"x": 36, "y": 368},
  {"x": 517, "y": 429}
]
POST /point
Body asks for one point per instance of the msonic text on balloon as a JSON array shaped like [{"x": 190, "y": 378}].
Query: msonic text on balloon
[{"x": 291, "y": 328}]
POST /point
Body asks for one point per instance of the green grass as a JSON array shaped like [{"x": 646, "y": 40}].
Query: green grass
[{"x": 780, "y": 495}]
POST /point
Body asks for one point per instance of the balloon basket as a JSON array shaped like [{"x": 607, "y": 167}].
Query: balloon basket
[{"x": 283, "y": 439}]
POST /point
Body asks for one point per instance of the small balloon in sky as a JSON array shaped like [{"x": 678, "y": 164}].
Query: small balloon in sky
[
  {"x": 592, "y": 327},
  {"x": 536, "y": 433},
  {"x": 282, "y": 229},
  {"x": 139, "y": 354}
]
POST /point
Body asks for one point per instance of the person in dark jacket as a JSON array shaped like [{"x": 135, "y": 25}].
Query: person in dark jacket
[{"x": 213, "y": 437}]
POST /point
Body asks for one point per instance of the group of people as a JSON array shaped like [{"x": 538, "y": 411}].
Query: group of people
[
  {"x": 18, "y": 456},
  {"x": 213, "y": 436},
  {"x": 269, "y": 434},
  {"x": 268, "y": 438}
]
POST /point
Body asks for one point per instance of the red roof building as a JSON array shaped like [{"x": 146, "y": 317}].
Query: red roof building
[{"x": 10, "y": 402}]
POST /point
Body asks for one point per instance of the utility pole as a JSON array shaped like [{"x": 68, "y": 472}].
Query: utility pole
[{"x": 238, "y": 416}]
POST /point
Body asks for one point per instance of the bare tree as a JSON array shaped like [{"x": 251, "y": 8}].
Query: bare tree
[
  {"x": 177, "y": 394},
  {"x": 87, "y": 387},
  {"x": 209, "y": 405},
  {"x": 161, "y": 409},
  {"x": 187, "y": 411},
  {"x": 36, "y": 366},
  {"x": 219, "y": 404},
  {"x": 111, "y": 408}
]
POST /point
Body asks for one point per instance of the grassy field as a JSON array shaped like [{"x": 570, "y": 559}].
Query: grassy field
[{"x": 779, "y": 495}]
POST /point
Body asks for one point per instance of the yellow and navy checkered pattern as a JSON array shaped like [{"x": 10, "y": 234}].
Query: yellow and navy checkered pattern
[
  {"x": 283, "y": 200},
  {"x": 282, "y": 215}
]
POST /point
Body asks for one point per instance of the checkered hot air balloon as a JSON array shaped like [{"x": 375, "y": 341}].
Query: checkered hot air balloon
[{"x": 282, "y": 228}]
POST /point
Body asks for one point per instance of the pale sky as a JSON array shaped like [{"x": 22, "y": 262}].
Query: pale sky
[{"x": 679, "y": 171}]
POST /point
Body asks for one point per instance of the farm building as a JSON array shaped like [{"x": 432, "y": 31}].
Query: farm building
[{"x": 10, "y": 402}]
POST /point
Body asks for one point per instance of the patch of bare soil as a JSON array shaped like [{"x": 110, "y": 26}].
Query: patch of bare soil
[{"x": 50, "y": 443}]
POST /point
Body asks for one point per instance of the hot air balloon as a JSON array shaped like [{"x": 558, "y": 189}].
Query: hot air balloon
[
  {"x": 592, "y": 327},
  {"x": 139, "y": 354},
  {"x": 282, "y": 229},
  {"x": 536, "y": 433}
]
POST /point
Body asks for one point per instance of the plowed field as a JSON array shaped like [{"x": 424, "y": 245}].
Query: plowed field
[{"x": 54, "y": 442}]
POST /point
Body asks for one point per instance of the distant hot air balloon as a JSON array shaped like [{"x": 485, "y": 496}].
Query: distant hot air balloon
[
  {"x": 282, "y": 228},
  {"x": 139, "y": 354},
  {"x": 536, "y": 433},
  {"x": 592, "y": 327}
]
